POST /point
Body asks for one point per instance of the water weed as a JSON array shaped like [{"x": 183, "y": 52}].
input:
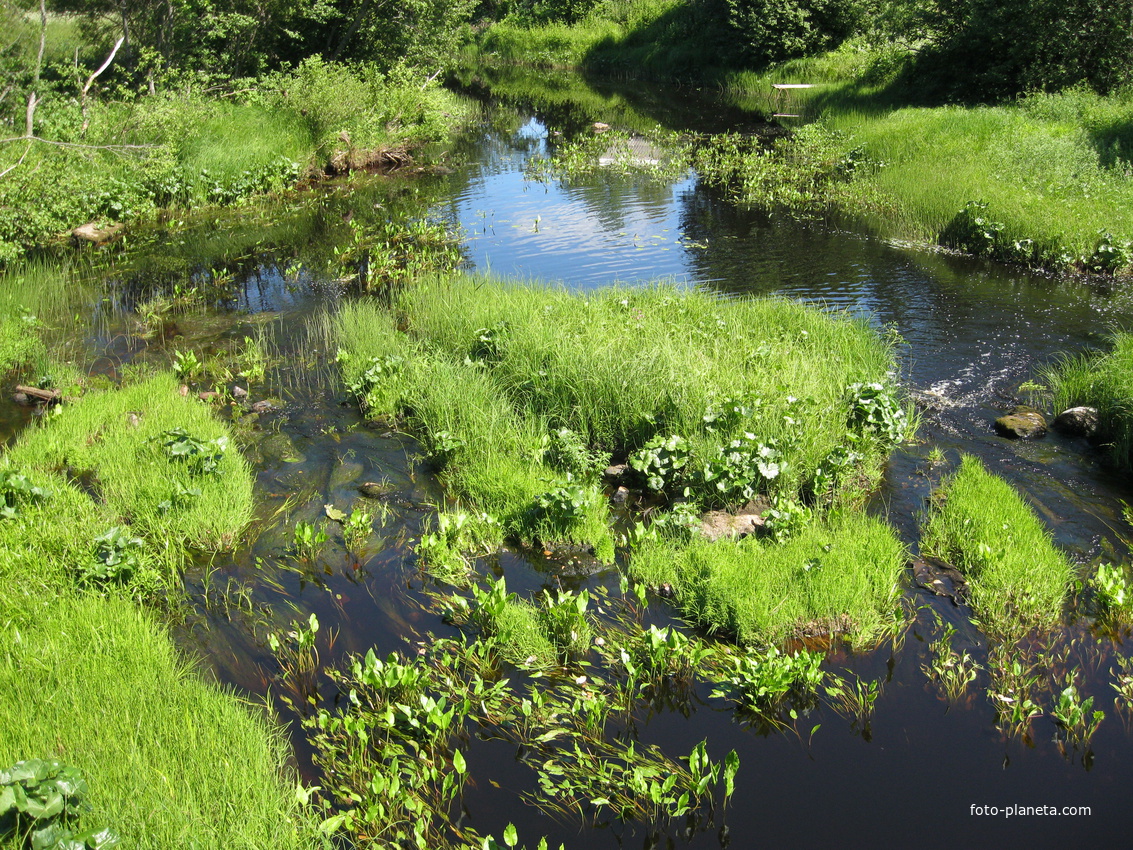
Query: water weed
[
  {"x": 953, "y": 672},
  {"x": 1078, "y": 720},
  {"x": 1017, "y": 578}
]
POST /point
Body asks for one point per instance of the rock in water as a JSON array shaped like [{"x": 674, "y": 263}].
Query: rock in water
[
  {"x": 1077, "y": 422},
  {"x": 1022, "y": 423}
]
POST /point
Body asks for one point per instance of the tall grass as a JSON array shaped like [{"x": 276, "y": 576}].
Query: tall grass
[
  {"x": 90, "y": 679},
  {"x": 170, "y": 760},
  {"x": 487, "y": 372},
  {"x": 101, "y": 463},
  {"x": 1018, "y": 579},
  {"x": 839, "y": 576},
  {"x": 1104, "y": 382}
]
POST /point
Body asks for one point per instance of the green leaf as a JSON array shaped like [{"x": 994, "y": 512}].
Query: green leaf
[
  {"x": 511, "y": 836},
  {"x": 334, "y": 513},
  {"x": 458, "y": 763}
]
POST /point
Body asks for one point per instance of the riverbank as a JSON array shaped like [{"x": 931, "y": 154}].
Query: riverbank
[
  {"x": 185, "y": 148},
  {"x": 1042, "y": 181}
]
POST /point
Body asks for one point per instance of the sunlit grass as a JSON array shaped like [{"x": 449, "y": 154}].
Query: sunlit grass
[
  {"x": 1104, "y": 382},
  {"x": 978, "y": 523},
  {"x": 170, "y": 760},
  {"x": 839, "y": 576}
]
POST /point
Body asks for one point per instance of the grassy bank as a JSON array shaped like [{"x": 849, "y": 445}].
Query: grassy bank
[
  {"x": 1042, "y": 181},
  {"x": 1018, "y": 579},
  {"x": 1104, "y": 382},
  {"x": 523, "y": 395},
  {"x": 1052, "y": 169},
  {"x": 101, "y": 504},
  {"x": 183, "y": 148}
]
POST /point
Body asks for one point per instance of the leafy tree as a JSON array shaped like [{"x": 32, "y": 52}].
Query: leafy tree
[{"x": 770, "y": 31}]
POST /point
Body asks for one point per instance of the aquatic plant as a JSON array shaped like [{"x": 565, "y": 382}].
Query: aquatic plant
[
  {"x": 1017, "y": 578},
  {"x": 446, "y": 548},
  {"x": 853, "y": 699},
  {"x": 1012, "y": 688},
  {"x": 953, "y": 672},
  {"x": 307, "y": 539},
  {"x": 762, "y": 682},
  {"x": 39, "y": 800},
  {"x": 653, "y": 656},
  {"x": 186, "y": 365},
  {"x": 1112, "y": 592},
  {"x": 1077, "y": 718},
  {"x": 357, "y": 528}
]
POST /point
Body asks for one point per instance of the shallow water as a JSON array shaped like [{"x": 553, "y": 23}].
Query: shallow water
[{"x": 972, "y": 333}]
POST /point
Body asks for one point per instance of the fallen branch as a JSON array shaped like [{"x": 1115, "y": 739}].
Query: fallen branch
[{"x": 47, "y": 396}]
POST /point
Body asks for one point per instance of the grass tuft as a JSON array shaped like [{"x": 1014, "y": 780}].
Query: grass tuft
[{"x": 1018, "y": 579}]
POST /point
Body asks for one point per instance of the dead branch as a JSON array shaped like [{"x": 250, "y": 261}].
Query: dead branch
[{"x": 91, "y": 79}]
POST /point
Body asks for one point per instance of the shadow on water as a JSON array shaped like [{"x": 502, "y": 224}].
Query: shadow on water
[{"x": 972, "y": 334}]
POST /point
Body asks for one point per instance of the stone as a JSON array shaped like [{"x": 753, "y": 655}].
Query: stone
[
  {"x": 616, "y": 473},
  {"x": 208, "y": 395},
  {"x": 374, "y": 489},
  {"x": 1077, "y": 422},
  {"x": 620, "y": 496},
  {"x": 239, "y": 392},
  {"x": 1022, "y": 423},
  {"x": 264, "y": 406},
  {"x": 91, "y": 234},
  {"x": 748, "y": 520}
]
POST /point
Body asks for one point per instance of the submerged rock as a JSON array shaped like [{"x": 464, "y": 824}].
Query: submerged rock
[
  {"x": 343, "y": 474},
  {"x": 1022, "y": 423},
  {"x": 1077, "y": 422},
  {"x": 940, "y": 578},
  {"x": 279, "y": 447},
  {"x": 617, "y": 473},
  {"x": 375, "y": 489}
]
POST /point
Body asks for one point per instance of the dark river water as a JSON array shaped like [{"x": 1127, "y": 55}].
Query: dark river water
[{"x": 972, "y": 334}]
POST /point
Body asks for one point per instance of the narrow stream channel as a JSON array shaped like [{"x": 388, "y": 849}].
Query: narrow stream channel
[{"x": 972, "y": 333}]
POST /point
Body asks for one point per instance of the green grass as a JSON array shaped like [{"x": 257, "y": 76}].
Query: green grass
[
  {"x": 489, "y": 370},
  {"x": 190, "y": 149},
  {"x": 91, "y": 679},
  {"x": 839, "y": 576},
  {"x": 1017, "y": 577},
  {"x": 1104, "y": 382},
  {"x": 171, "y": 761},
  {"x": 1052, "y": 168},
  {"x": 121, "y": 460}
]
